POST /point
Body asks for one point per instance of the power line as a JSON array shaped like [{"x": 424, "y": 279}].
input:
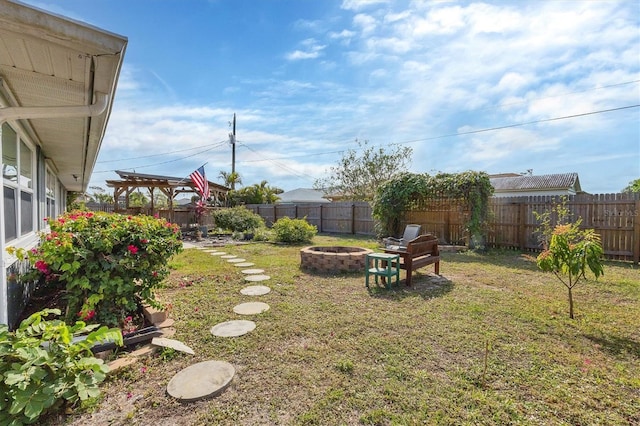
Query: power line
[
  {"x": 489, "y": 129},
  {"x": 152, "y": 155},
  {"x": 508, "y": 126},
  {"x": 560, "y": 95},
  {"x": 164, "y": 162},
  {"x": 291, "y": 170}
]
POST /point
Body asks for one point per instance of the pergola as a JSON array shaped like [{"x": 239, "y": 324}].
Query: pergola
[{"x": 168, "y": 185}]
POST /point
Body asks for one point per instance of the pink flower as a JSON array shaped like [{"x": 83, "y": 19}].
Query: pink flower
[
  {"x": 42, "y": 266},
  {"x": 154, "y": 273},
  {"x": 132, "y": 249},
  {"x": 143, "y": 370},
  {"x": 144, "y": 241},
  {"x": 129, "y": 395}
]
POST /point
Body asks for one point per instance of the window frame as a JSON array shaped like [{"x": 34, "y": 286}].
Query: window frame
[{"x": 20, "y": 186}]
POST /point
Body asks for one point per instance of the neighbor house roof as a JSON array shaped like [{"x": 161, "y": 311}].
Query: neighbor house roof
[
  {"x": 302, "y": 195},
  {"x": 58, "y": 78},
  {"x": 558, "y": 182}
]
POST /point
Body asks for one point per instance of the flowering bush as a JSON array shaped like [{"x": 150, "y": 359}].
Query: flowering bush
[{"x": 107, "y": 262}]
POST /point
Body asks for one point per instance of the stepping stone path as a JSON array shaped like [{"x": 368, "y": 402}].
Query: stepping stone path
[
  {"x": 202, "y": 380},
  {"x": 233, "y": 328},
  {"x": 173, "y": 344},
  {"x": 255, "y": 290},
  {"x": 250, "y": 308},
  {"x": 210, "y": 378},
  {"x": 256, "y": 278}
]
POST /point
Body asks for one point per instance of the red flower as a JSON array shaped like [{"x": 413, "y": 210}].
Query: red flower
[
  {"x": 154, "y": 273},
  {"x": 87, "y": 316},
  {"x": 132, "y": 249}
]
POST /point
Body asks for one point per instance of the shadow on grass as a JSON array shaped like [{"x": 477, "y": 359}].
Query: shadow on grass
[
  {"x": 617, "y": 346},
  {"x": 505, "y": 258},
  {"x": 425, "y": 286}
]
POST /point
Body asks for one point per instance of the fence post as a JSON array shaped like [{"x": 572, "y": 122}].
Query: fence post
[
  {"x": 636, "y": 233},
  {"x": 353, "y": 218},
  {"x": 522, "y": 225}
]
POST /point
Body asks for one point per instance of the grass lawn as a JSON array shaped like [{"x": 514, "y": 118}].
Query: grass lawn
[{"x": 488, "y": 342}]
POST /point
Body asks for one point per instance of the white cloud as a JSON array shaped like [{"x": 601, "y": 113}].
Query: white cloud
[
  {"x": 360, "y": 4},
  {"x": 311, "y": 50},
  {"x": 366, "y": 23}
]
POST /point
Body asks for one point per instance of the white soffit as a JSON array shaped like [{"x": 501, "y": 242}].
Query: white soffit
[{"x": 51, "y": 61}]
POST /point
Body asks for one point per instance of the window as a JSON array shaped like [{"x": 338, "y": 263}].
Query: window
[
  {"x": 51, "y": 194},
  {"x": 18, "y": 183}
]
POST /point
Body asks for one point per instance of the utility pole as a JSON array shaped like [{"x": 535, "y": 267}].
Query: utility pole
[{"x": 232, "y": 139}]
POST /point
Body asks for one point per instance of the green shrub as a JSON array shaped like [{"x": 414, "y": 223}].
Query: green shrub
[
  {"x": 107, "y": 262},
  {"x": 289, "y": 230},
  {"x": 262, "y": 234},
  {"x": 41, "y": 366},
  {"x": 237, "y": 219}
]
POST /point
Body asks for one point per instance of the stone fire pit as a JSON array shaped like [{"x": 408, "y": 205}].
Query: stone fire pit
[{"x": 333, "y": 258}]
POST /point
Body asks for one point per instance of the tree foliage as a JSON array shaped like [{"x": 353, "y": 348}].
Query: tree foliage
[
  {"x": 405, "y": 191},
  {"x": 571, "y": 253},
  {"x": 230, "y": 179},
  {"x": 259, "y": 193},
  {"x": 361, "y": 171},
  {"x": 634, "y": 186}
]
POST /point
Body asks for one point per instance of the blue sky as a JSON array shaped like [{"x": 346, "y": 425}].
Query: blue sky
[{"x": 306, "y": 78}]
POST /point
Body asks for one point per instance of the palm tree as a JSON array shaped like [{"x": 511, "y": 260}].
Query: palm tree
[{"x": 231, "y": 179}]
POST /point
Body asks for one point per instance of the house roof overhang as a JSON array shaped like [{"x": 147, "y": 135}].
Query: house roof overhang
[{"x": 58, "y": 78}]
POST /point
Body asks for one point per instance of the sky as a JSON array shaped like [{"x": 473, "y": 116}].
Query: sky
[{"x": 494, "y": 86}]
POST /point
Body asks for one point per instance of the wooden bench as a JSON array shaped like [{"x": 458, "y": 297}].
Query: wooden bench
[{"x": 420, "y": 251}]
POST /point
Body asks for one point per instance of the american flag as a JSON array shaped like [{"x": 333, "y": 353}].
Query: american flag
[{"x": 201, "y": 182}]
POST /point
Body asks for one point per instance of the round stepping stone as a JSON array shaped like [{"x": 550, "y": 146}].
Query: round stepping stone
[
  {"x": 250, "y": 308},
  {"x": 233, "y": 328},
  {"x": 244, "y": 264},
  {"x": 236, "y": 260},
  {"x": 252, "y": 271},
  {"x": 228, "y": 256},
  {"x": 210, "y": 251},
  {"x": 218, "y": 253},
  {"x": 202, "y": 380},
  {"x": 256, "y": 278},
  {"x": 255, "y": 290}
]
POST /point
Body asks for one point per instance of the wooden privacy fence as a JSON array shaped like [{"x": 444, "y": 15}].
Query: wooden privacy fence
[
  {"x": 343, "y": 218},
  {"x": 616, "y": 217}
]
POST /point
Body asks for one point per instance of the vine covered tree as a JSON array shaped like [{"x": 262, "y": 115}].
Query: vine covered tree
[
  {"x": 403, "y": 192},
  {"x": 634, "y": 186},
  {"x": 361, "y": 171}
]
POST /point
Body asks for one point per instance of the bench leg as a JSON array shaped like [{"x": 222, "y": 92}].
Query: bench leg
[{"x": 437, "y": 268}]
